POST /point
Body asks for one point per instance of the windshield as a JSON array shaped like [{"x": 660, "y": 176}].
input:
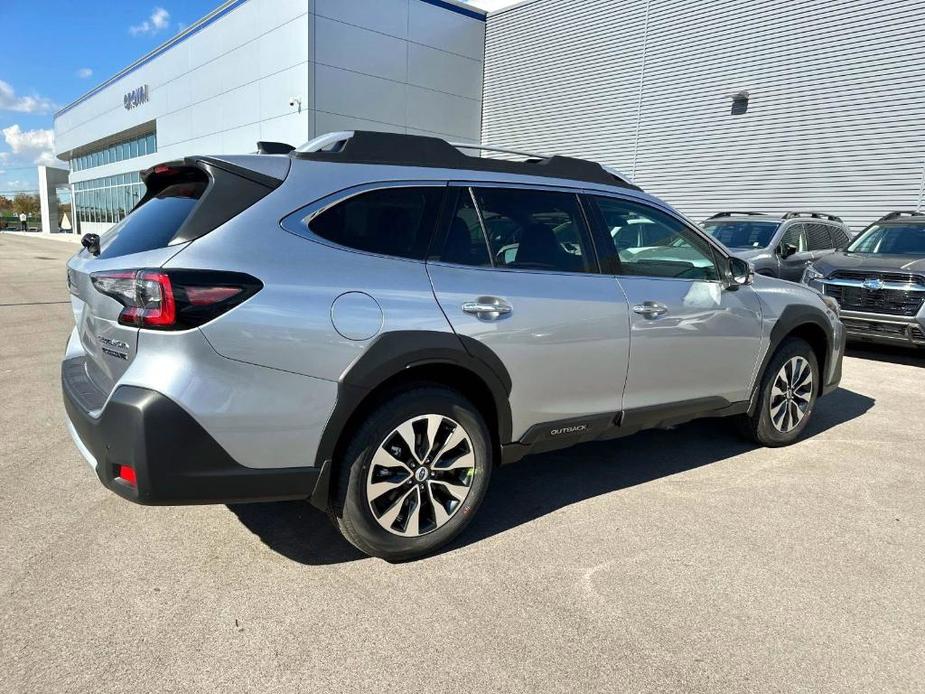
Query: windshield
[
  {"x": 894, "y": 239},
  {"x": 742, "y": 234}
]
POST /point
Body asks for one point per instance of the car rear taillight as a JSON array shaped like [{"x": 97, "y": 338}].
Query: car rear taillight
[{"x": 174, "y": 299}]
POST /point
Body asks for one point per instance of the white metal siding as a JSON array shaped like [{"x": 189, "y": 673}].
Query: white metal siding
[{"x": 836, "y": 118}]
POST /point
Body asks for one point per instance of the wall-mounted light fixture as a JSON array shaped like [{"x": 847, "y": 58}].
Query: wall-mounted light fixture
[
  {"x": 739, "y": 103},
  {"x": 295, "y": 101}
]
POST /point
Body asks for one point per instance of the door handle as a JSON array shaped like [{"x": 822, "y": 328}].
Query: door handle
[
  {"x": 488, "y": 308},
  {"x": 650, "y": 309}
]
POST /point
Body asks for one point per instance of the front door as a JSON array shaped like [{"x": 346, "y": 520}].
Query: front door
[
  {"x": 692, "y": 340},
  {"x": 517, "y": 272}
]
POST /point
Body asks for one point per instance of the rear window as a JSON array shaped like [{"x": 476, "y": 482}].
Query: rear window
[
  {"x": 155, "y": 222},
  {"x": 390, "y": 221}
]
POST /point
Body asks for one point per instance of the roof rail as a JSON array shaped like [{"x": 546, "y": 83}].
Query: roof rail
[
  {"x": 732, "y": 212},
  {"x": 815, "y": 215},
  {"x": 900, "y": 213},
  {"x": 369, "y": 147}
]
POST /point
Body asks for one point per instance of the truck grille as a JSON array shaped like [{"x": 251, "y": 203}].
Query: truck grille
[
  {"x": 899, "y": 277},
  {"x": 896, "y": 302}
]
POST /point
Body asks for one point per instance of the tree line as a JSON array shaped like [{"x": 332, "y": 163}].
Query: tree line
[{"x": 23, "y": 202}]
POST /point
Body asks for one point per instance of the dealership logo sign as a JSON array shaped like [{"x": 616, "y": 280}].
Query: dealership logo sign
[{"x": 136, "y": 97}]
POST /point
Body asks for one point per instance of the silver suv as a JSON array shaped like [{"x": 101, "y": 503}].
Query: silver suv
[
  {"x": 779, "y": 245},
  {"x": 374, "y": 321}
]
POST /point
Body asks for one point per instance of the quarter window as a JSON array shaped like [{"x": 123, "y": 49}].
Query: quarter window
[
  {"x": 389, "y": 221},
  {"x": 818, "y": 238},
  {"x": 534, "y": 229},
  {"x": 650, "y": 243}
]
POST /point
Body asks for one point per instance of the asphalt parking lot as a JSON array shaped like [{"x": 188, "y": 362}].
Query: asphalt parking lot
[{"x": 670, "y": 561}]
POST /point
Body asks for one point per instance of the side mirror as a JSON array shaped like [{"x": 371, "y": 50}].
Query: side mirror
[
  {"x": 787, "y": 250},
  {"x": 740, "y": 272}
]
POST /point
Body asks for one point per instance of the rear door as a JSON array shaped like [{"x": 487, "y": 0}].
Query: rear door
[
  {"x": 791, "y": 266},
  {"x": 141, "y": 240},
  {"x": 694, "y": 342},
  {"x": 515, "y": 269}
]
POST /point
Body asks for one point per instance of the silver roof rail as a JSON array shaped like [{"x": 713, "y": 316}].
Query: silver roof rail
[
  {"x": 501, "y": 150},
  {"x": 327, "y": 142}
]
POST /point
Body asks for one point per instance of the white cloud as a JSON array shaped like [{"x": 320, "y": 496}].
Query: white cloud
[
  {"x": 156, "y": 23},
  {"x": 9, "y": 101},
  {"x": 85, "y": 73},
  {"x": 36, "y": 146}
]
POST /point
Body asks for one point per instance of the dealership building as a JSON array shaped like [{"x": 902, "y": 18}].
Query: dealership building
[{"x": 769, "y": 105}]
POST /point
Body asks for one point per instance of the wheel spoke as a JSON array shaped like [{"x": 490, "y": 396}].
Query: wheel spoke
[
  {"x": 406, "y": 431},
  {"x": 464, "y": 460},
  {"x": 376, "y": 489},
  {"x": 391, "y": 513},
  {"x": 456, "y": 437},
  {"x": 457, "y": 490},
  {"x": 413, "y": 524},
  {"x": 433, "y": 426},
  {"x": 440, "y": 514},
  {"x": 384, "y": 458}
]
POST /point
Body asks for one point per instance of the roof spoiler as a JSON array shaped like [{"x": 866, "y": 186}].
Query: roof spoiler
[{"x": 264, "y": 147}]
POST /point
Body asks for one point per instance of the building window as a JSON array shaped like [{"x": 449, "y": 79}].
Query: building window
[
  {"x": 129, "y": 149},
  {"x": 109, "y": 199},
  {"x": 739, "y": 103}
]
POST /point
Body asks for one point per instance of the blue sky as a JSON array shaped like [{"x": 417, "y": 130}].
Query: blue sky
[{"x": 55, "y": 50}]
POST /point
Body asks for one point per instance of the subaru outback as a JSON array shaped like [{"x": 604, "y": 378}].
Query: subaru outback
[
  {"x": 779, "y": 246},
  {"x": 374, "y": 321}
]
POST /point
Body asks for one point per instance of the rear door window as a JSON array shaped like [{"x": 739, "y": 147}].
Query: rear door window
[
  {"x": 155, "y": 223},
  {"x": 465, "y": 242},
  {"x": 389, "y": 221},
  {"x": 795, "y": 236},
  {"x": 535, "y": 230}
]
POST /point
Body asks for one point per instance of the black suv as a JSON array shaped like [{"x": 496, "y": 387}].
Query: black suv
[{"x": 879, "y": 280}]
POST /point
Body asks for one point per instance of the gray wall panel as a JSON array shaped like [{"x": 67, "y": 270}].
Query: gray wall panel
[{"x": 836, "y": 119}]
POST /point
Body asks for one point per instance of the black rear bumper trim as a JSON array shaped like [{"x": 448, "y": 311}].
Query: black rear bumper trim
[{"x": 176, "y": 461}]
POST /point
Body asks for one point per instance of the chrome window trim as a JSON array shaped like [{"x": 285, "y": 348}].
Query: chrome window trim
[{"x": 296, "y": 222}]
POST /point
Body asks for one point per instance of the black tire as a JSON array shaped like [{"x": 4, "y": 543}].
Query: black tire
[
  {"x": 758, "y": 426},
  {"x": 351, "y": 509}
]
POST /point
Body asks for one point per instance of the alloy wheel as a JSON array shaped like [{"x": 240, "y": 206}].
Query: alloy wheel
[
  {"x": 791, "y": 394},
  {"x": 420, "y": 475}
]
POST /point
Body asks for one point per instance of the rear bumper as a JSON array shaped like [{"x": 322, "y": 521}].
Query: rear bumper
[{"x": 175, "y": 460}]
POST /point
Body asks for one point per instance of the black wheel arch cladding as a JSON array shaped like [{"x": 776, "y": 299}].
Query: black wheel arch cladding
[
  {"x": 397, "y": 352},
  {"x": 806, "y": 322}
]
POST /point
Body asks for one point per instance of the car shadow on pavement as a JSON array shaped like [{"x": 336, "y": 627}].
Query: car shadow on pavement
[
  {"x": 544, "y": 483},
  {"x": 908, "y": 356}
]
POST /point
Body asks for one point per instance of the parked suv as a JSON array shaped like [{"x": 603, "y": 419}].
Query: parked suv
[
  {"x": 779, "y": 246},
  {"x": 879, "y": 280},
  {"x": 374, "y": 321}
]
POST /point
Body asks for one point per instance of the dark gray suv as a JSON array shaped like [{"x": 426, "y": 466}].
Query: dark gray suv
[{"x": 779, "y": 246}]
